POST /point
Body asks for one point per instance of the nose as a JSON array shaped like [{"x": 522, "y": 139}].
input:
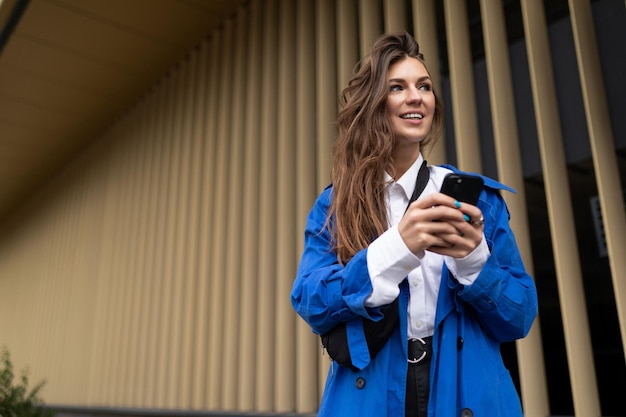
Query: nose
[{"x": 414, "y": 95}]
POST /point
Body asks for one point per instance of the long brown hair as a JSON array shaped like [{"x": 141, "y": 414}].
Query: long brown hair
[{"x": 362, "y": 149}]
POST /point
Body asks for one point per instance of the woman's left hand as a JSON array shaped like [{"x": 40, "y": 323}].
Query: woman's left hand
[{"x": 468, "y": 230}]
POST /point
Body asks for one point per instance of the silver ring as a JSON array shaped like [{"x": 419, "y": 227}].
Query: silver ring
[{"x": 479, "y": 222}]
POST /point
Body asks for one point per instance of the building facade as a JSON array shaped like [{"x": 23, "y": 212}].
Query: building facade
[{"x": 153, "y": 271}]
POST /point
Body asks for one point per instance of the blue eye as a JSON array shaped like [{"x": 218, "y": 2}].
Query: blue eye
[
  {"x": 395, "y": 87},
  {"x": 425, "y": 87}
]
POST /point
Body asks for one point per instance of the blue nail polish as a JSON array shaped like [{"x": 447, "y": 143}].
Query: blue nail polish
[
  {"x": 466, "y": 217},
  {"x": 457, "y": 204}
]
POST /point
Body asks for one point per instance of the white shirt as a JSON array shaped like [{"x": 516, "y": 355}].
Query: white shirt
[{"x": 389, "y": 260}]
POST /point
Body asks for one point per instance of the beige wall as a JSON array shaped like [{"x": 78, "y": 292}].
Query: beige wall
[{"x": 155, "y": 271}]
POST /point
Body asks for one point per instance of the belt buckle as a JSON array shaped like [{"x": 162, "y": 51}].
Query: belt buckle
[{"x": 418, "y": 360}]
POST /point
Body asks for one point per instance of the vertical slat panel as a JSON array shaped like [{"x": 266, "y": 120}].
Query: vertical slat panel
[
  {"x": 80, "y": 316},
  {"x": 99, "y": 154},
  {"x": 326, "y": 100},
  {"x": 347, "y": 41},
  {"x": 67, "y": 337},
  {"x": 90, "y": 257},
  {"x": 195, "y": 130},
  {"x": 114, "y": 305},
  {"x": 175, "y": 209},
  {"x": 306, "y": 343},
  {"x": 201, "y": 398},
  {"x": 233, "y": 350},
  {"x": 529, "y": 350},
  {"x": 326, "y": 106},
  {"x": 250, "y": 222},
  {"x": 43, "y": 295},
  {"x": 370, "y": 23},
  {"x": 148, "y": 217},
  {"x": 186, "y": 87},
  {"x": 425, "y": 24},
  {"x": 395, "y": 15},
  {"x": 178, "y": 205},
  {"x": 71, "y": 344},
  {"x": 127, "y": 278},
  {"x": 55, "y": 284},
  {"x": 153, "y": 355},
  {"x": 65, "y": 279},
  {"x": 48, "y": 301},
  {"x": 560, "y": 213},
  {"x": 137, "y": 277},
  {"x": 134, "y": 277},
  {"x": 127, "y": 242},
  {"x": 462, "y": 86},
  {"x": 220, "y": 218},
  {"x": 13, "y": 263},
  {"x": 29, "y": 345},
  {"x": 170, "y": 204},
  {"x": 94, "y": 243},
  {"x": 285, "y": 253},
  {"x": 99, "y": 357},
  {"x": 197, "y": 324},
  {"x": 610, "y": 189},
  {"x": 266, "y": 296}
]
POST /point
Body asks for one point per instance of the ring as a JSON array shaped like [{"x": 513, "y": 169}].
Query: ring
[{"x": 479, "y": 222}]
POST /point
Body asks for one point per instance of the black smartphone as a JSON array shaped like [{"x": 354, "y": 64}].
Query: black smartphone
[{"x": 463, "y": 187}]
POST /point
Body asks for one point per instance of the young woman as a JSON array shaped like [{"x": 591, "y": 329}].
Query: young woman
[{"x": 452, "y": 269}]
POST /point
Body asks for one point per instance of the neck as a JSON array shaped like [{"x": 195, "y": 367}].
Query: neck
[{"x": 403, "y": 159}]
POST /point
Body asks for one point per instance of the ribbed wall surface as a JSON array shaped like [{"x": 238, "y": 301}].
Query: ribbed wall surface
[{"x": 155, "y": 271}]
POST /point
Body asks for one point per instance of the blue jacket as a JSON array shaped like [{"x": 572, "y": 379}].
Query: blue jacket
[{"x": 467, "y": 371}]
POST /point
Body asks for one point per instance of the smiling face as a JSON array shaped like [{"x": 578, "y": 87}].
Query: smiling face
[{"x": 410, "y": 105}]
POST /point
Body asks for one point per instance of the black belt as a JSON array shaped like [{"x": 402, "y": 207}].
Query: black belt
[{"x": 419, "y": 349}]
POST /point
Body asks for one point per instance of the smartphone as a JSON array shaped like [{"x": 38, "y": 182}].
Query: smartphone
[{"x": 463, "y": 187}]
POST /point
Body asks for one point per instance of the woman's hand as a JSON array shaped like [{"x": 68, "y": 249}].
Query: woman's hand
[{"x": 442, "y": 225}]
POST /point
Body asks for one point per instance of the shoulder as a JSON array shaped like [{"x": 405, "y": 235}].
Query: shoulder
[
  {"x": 321, "y": 206},
  {"x": 490, "y": 183},
  {"x": 323, "y": 199}
]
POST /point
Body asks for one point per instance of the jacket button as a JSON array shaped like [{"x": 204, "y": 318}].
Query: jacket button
[
  {"x": 466, "y": 412},
  {"x": 459, "y": 342},
  {"x": 360, "y": 382}
]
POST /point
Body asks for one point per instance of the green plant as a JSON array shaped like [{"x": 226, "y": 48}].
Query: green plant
[{"x": 16, "y": 400}]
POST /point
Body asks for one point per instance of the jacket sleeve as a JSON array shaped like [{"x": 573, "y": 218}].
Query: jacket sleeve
[
  {"x": 504, "y": 296},
  {"x": 325, "y": 292}
]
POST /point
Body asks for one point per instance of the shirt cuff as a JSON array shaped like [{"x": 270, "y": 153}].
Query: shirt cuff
[
  {"x": 466, "y": 270},
  {"x": 389, "y": 261}
]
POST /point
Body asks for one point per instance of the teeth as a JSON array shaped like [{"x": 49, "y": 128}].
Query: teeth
[{"x": 412, "y": 116}]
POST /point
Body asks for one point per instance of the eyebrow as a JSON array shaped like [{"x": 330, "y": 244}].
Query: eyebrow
[{"x": 402, "y": 80}]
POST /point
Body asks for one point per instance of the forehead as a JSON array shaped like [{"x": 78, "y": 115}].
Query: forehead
[{"x": 407, "y": 68}]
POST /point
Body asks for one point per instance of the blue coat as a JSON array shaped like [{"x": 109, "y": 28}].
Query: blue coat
[{"x": 467, "y": 371}]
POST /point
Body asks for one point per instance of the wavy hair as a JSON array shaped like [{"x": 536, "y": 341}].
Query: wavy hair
[{"x": 362, "y": 150}]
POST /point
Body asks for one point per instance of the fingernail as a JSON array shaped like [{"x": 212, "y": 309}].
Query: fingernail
[
  {"x": 466, "y": 217},
  {"x": 457, "y": 204}
]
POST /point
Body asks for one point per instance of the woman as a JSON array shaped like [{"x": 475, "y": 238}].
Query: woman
[{"x": 453, "y": 268}]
